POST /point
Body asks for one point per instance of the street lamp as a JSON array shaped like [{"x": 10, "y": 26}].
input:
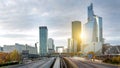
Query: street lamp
[
  {"x": 94, "y": 47},
  {"x": 94, "y": 51}
]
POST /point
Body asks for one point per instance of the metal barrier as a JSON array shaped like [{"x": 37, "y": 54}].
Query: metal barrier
[{"x": 62, "y": 63}]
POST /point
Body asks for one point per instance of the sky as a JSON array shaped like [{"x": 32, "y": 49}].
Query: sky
[{"x": 20, "y": 19}]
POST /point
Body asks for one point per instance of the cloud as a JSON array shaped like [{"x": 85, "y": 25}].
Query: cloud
[
  {"x": 16, "y": 36},
  {"x": 45, "y": 14},
  {"x": 110, "y": 19},
  {"x": 20, "y": 18}
]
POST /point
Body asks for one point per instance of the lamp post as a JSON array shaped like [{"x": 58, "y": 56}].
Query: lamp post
[
  {"x": 94, "y": 47},
  {"x": 94, "y": 52}
]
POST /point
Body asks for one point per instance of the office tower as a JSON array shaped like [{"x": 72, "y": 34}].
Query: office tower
[
  {"x": 90, "y": 13},
  {"x": 93, "y": 31},
  {"x": 50, "y": 45},
  {"x": 76, "y": 32},
  {"x": 94, "y": 26},
  {"x": 43, "y": 37},
  {"x": 70, "y": 47},
  {"x": 99, "y": 28}
]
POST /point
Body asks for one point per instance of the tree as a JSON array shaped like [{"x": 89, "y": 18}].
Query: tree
[
  {"x": 7, "y": 57},
  {"x": 15, "y": 56},
  {"x": 80, "y": 53},
  {"x": 2, "y": 57}
]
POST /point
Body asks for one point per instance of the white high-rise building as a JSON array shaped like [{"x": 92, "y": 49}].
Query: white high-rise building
[
  {"x": 70, "y": 45},
  {"x": 50, "y": 45}
]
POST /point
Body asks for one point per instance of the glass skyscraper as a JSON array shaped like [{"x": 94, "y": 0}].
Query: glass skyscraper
[
  {"x": 93, "y": 31},
  {"x": 76, "y": 31},
  {"x": 43, "y": 37}
]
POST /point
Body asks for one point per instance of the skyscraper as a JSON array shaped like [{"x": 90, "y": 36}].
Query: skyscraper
[
  {"x": 50, "y": 45},
  {"x": 76, "y": 32},
  {"x": 43, "y": 37},
  {"x": 93, "y": 31},
  {"x": 100, "y": 28},
  {"x": 70, "y": 47},
  {"x": 93, "y": 26}
]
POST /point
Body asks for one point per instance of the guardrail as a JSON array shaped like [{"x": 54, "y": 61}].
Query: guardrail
[
  {"x": 62, "y": 63},
  {"x": 69, "y": 63},
  {"x": 48, "y": 64}
]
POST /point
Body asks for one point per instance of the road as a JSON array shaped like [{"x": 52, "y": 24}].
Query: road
[
  {"x": 47, "y": 62},
  {"x": 57, "y": 63},
  {"x": 86, "y": 64},
  {"x": 36, "y": 64}
]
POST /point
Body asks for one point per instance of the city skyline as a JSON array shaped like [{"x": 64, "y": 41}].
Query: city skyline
[{"x": 19, "y": 20}]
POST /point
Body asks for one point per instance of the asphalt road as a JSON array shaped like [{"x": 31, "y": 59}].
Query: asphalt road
[
  {"x": 34, "y": 64},
  {"x": 86, "y": 64},
  {"x": 46, "y": 62}
]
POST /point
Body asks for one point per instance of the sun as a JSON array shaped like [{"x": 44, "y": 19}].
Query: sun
[{"x": 82, "y": 36}]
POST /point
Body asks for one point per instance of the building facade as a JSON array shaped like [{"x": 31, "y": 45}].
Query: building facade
[
  {"x": 70, "y": 46},
  {"x": 1, "y": 49},
  {"x": 20, "y": 48},
  {"x": 51, "y": 46},
  {"x": 76, "y": 32},
  {"x": 113, "y": 50},
  {"x": 43, "y": 37},
  {"x": 93, "y": 32}
]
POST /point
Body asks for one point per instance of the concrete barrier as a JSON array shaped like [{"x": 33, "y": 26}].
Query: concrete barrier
[
  {"x": 69, "y": 63},
  {"x": 57, "y": 63},
  {"x": 48, "y": 64}
]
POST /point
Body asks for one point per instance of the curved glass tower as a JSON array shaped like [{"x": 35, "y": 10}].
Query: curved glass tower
[{"x": 93, "y": 31}]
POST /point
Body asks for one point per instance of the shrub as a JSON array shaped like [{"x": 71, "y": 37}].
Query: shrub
[
  {"x": 107, "y": 60},
  {"x": 10, "y": 63},
  {"x": 116, "y": 60}
]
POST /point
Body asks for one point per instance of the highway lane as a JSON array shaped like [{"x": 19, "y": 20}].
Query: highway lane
[
  {"x": 35, "y": 64},
  {"x": 47, "y": 62},
  {"x": 85, "y": 64}
]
